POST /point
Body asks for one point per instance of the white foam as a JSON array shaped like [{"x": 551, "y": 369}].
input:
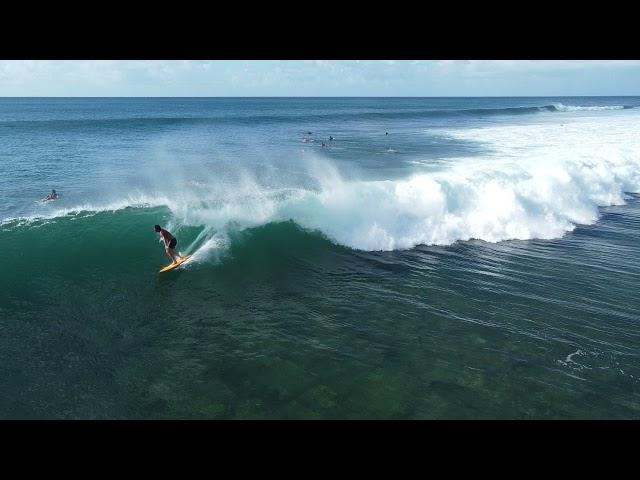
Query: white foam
[
  {"x": 576, "y": 108},
  {"x": 539, "y": 182},
  {"x": 211, "y": 249}
]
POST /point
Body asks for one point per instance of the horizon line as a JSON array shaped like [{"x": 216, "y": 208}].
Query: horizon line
[{"x": 316, "y": 96}]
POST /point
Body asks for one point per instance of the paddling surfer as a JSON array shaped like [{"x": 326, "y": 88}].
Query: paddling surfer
[
  {"x": 170, "y": 243},
  {"x": 51, "y": 196}
]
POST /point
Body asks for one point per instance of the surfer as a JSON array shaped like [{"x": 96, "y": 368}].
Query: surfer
[
  {"x": 330, "y": 138},
  {"x": 169, "y": 243},
  {"x": 52, "y": 196}
]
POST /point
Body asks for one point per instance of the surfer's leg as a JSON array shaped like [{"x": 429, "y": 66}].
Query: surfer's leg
[
  {"x": 170, "y": 254},
  {"x": 174, "y": 255},
  {"x": 171, "y": 250}
]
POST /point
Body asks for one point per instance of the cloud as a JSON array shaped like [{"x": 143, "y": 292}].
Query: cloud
[{"x": 318, "y": 77}]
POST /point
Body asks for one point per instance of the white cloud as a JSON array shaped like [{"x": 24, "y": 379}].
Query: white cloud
[{"x": 319, "y": 77}]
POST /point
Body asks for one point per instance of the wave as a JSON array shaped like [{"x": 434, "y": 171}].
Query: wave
[
  {"x": 251, "y": 119},
  {"x": 539, "y": 181}
]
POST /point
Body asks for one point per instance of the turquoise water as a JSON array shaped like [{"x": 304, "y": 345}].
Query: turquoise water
[{"x": 479, "y": 261}]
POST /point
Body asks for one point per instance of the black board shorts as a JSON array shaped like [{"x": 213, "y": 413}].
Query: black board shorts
[{"x": 173, "y": 243}]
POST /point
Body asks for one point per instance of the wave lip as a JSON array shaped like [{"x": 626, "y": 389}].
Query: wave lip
[{"x": 140, "y": 201}]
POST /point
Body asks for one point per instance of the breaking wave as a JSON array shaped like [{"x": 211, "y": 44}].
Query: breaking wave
[{"x": 539, "y": 181}]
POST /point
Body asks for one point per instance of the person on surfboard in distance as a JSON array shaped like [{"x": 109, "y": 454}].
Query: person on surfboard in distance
[
  {"x": 52, "y": 196},
  {"x": 170, "y": 243}
]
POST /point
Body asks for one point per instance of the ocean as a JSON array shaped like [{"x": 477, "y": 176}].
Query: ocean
[{"x": 353, "y": 258}]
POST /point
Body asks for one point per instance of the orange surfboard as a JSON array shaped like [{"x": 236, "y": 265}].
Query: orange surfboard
[{"x": 175, "y": 264}]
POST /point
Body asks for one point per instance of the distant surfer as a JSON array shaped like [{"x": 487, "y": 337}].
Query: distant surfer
[
  {"x": 52, "y": 196},
  {"x": 170, "y": 243},
  {"x": 330, "y": 138},
  {"x": 386, "y": 133}
]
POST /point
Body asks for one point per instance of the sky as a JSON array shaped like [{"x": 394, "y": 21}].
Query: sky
[{"x": 317, "y": 78}]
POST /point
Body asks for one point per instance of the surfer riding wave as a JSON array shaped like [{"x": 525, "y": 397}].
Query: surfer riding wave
[{"x": 170, "y": 243}]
